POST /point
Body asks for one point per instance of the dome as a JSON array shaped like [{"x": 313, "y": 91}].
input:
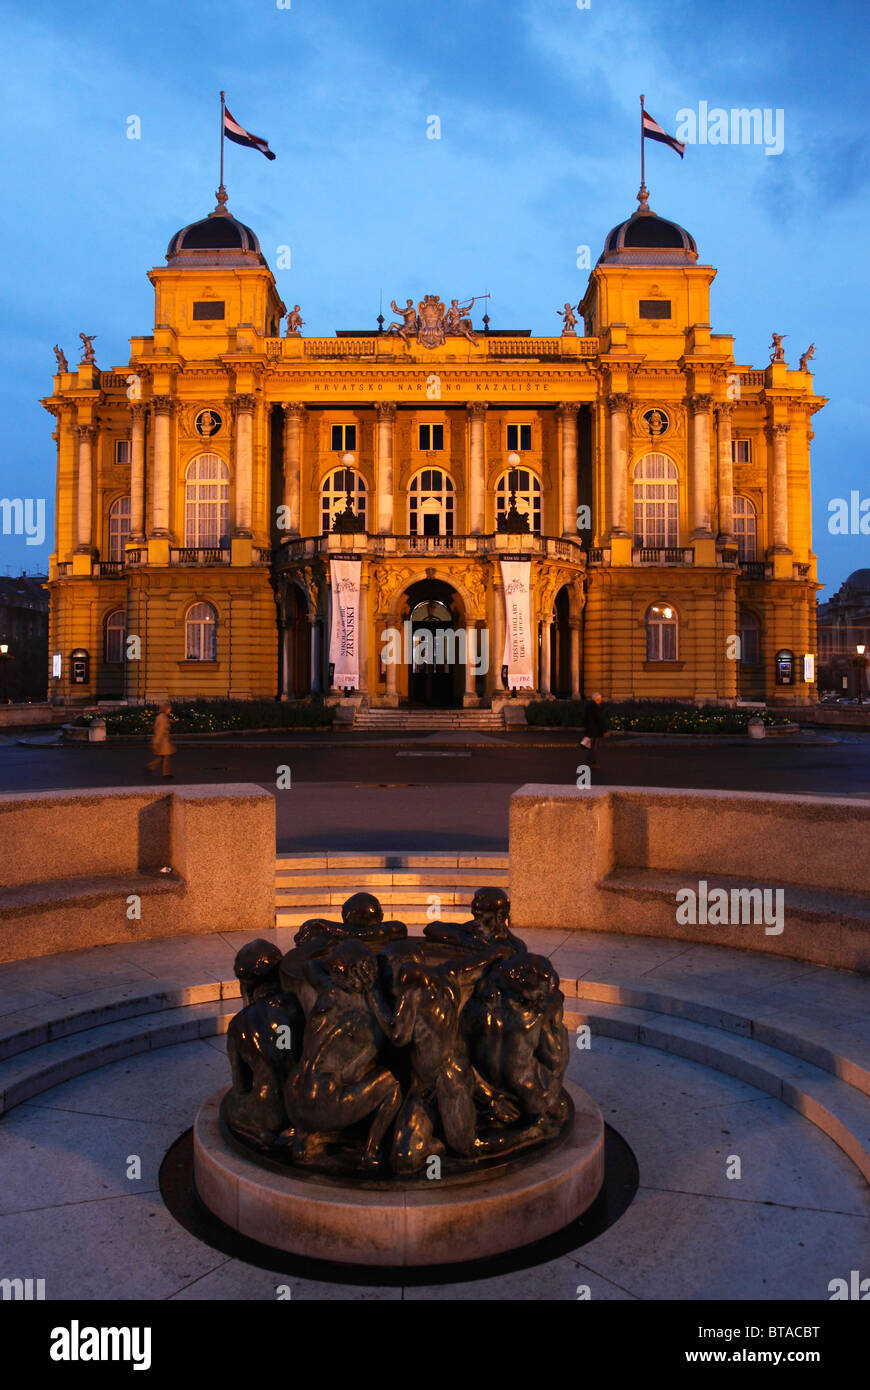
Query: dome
[
  {"x": 647, "y": 239},
  {"x": 219, "y": 239},
  {"x": 859, "y": 580}
]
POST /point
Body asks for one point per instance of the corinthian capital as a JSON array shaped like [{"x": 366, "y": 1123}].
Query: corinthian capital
[
  {"x": 700, "y": 403},
  {"x": 138, "y": 411},
  {"x": 477, "y": 410},
  {"x": 617, "y": 401},
  {"x": 775, "y": 432},
  {"x": 293, "y": 410},
  {"x": 245, "y": 403},
  {"x": 568, "y": 409},
  {"x": 163, "y": 405},
  {"x": 725, "y": 409},
  {"x": 385, "y": 411},
  {"x": 87, "y": 433}
]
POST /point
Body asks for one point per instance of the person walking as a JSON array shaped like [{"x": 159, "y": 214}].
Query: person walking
[
  {"x": 161, "y": 744},
  {"x": 594, "y": 727}
]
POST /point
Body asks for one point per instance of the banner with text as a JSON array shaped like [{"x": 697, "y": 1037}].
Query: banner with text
[
  {"x": 344, "y": 633},
  {"x": 518, "y": 650}
]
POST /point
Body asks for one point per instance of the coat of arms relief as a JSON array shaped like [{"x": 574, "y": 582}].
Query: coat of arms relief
[{"x": 431, "y": 321}]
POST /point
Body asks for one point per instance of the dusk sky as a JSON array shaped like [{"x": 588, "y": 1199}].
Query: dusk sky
[{"x": 539, "y": 154}]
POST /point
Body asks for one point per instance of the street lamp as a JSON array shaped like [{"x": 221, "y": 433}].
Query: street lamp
[
  {"x": 513, "y": 522},
  {"x": 347, "y": 522},
  {"x": 5, "y": 658},
  {"x": 861, "y": 663}
]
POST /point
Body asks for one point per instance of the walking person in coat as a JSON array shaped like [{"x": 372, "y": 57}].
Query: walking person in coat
[
  {"x": 161, "y": 744},
  {"x": 594, "y": 727}
]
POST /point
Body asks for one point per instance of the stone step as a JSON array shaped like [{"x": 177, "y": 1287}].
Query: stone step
[
  {"x": 317, "y": 879},
  {"x": 387, "y": 897},
  {"x": 412, "y": 914},
  {"x": 39, "y": 1069},
  {"x": 388, "y": 860}
]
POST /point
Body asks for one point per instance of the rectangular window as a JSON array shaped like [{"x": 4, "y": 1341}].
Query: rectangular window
[
  {"x": 123, "y": 450},
  {"x": 343, "y": 437},
  {"x": 741, "y": 451},
  {"x": 431, "y": 437},
  {"x": 208, "y": 309},
  {"x": 519, "y": 437},
  {"x": 655, "y": 309}
]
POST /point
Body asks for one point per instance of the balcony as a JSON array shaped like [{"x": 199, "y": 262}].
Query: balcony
[
  {"x": 754, "y": 569},
  {"x": 109, "y": 567},
  {"x": 662, "y": 555},
  {"x": 499, "y": 543},
  {"x": 205, "y": 556}
]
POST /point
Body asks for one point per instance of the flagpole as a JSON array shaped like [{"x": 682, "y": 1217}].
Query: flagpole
[
  {"x": 643, "y": 195},
  {"x": 222, "y": 192}
]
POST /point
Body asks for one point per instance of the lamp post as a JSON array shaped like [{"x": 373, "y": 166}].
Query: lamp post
[
  {"x": 5, "y": 658},
  {"x": 860, "y": 662},
  {"x": 513, "y": 522},
  {"x": 347, "y": 522}
]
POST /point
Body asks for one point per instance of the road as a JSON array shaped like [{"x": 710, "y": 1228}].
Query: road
[{"x": 419, "y": 795}]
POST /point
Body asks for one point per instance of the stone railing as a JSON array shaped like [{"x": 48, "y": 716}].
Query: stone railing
[
  {"x": 754, "y": 569},
  {"x": 198, "y": 555},
  {"x": 495, "y": 346},
  {"x": 559, "y": 547},
  {"x": 662, "y": 555}
]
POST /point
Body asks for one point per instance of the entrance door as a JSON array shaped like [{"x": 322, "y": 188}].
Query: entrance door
[
  {"x": 299, "y": 646},
  {"x": 436, "y": 674}
]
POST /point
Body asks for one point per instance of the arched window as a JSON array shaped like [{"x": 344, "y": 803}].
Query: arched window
[
  {"x": 661, "y": 633},
  {"x": 333, "y": 497},
  {"x": 528, "y": 496},
  {"x": 115, "y": 633},
  {"x": 656, "y": 502},
  {"x": 200, "y": 633},
  {"x": 745, "y": 527},
  {"x": 207, "y": 503},
  {"x": 750, "y": 638},
  {"x": 430, "y": 503},
  {"x": 119, "y": 527}
]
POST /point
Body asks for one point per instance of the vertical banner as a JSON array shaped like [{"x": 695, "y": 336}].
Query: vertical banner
[
  {"x": 344, "y": 631},
  {"x": 518, "y": 647}
]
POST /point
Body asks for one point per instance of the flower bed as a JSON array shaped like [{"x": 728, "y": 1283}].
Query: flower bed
[
  {"x": 651, "y": 717},
  {"x": 217, "y": 716}
]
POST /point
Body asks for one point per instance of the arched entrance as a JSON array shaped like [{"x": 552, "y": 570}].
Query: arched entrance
[
  {"x": 560, "y": 652},
  {"x": 432, "y": 617},
  {"x": 296, "y": 684}
]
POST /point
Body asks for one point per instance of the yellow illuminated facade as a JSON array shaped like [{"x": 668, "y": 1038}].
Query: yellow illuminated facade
[{"x": 664, "y": 492}]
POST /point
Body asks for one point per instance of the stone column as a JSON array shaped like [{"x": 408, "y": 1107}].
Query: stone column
[
  {"x": 163, "y": 407},
  {"x": 138, "y": 412},
  {"x": 316, "y": 681},
  {"x": 777, "y": 436},
  {"x": 85, "y": 501},
  {"x": 390, "y": 698},
  {"x": 362, "y": 637},
  {"x": 575, "y": 661},
  {"x": 568, "y": 415},
  {"x": 724, "y": 412},
  {"x": 470, "y": 678},
  {"x": 294, "y": 413},
  {"x": 544, "y": 673},
  {"x": 476, "y": 411},
  {"x": 496, "y": 655},
  {"x": 245, "y": 405},
  {"x": 617, "y": 404},
  {"x": 386, "y": 414},
  {"x": 701, "y": 466}
]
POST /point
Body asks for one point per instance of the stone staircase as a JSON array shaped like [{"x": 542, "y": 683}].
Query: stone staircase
[
  {"x": 407, "y": 884},
  {"x": 426, "y": 721}
]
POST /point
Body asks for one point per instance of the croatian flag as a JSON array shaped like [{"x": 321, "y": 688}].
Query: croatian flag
[
  {"x": 653, "y": 131},
  {"x": 237, "y": 133}
]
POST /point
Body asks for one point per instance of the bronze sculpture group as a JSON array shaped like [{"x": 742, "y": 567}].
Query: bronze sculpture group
[{"x": 364, "y": 1050}]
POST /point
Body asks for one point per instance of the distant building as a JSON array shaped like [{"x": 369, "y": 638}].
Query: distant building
[
  {"x": 621, "y": 499},
  {"x": 844, "y": 624},
  {"x": 24, "y": 606}
]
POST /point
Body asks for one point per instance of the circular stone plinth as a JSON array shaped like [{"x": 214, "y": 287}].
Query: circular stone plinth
[{"x": 425, "y": 1224}]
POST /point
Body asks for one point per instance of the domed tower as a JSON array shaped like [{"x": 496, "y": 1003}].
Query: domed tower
[{"x": 216, "y": 292}]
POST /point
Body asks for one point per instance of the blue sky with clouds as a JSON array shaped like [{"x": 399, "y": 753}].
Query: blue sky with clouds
[{"x": 538, "y": 102}]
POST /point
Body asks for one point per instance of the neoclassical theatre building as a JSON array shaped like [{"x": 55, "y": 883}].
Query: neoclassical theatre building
[{"x": 244, "y": 512}]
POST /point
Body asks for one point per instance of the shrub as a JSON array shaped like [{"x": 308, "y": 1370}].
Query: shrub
[
  {"x": 650, "y": 717},
  {"x": 216, "y": 716}
]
